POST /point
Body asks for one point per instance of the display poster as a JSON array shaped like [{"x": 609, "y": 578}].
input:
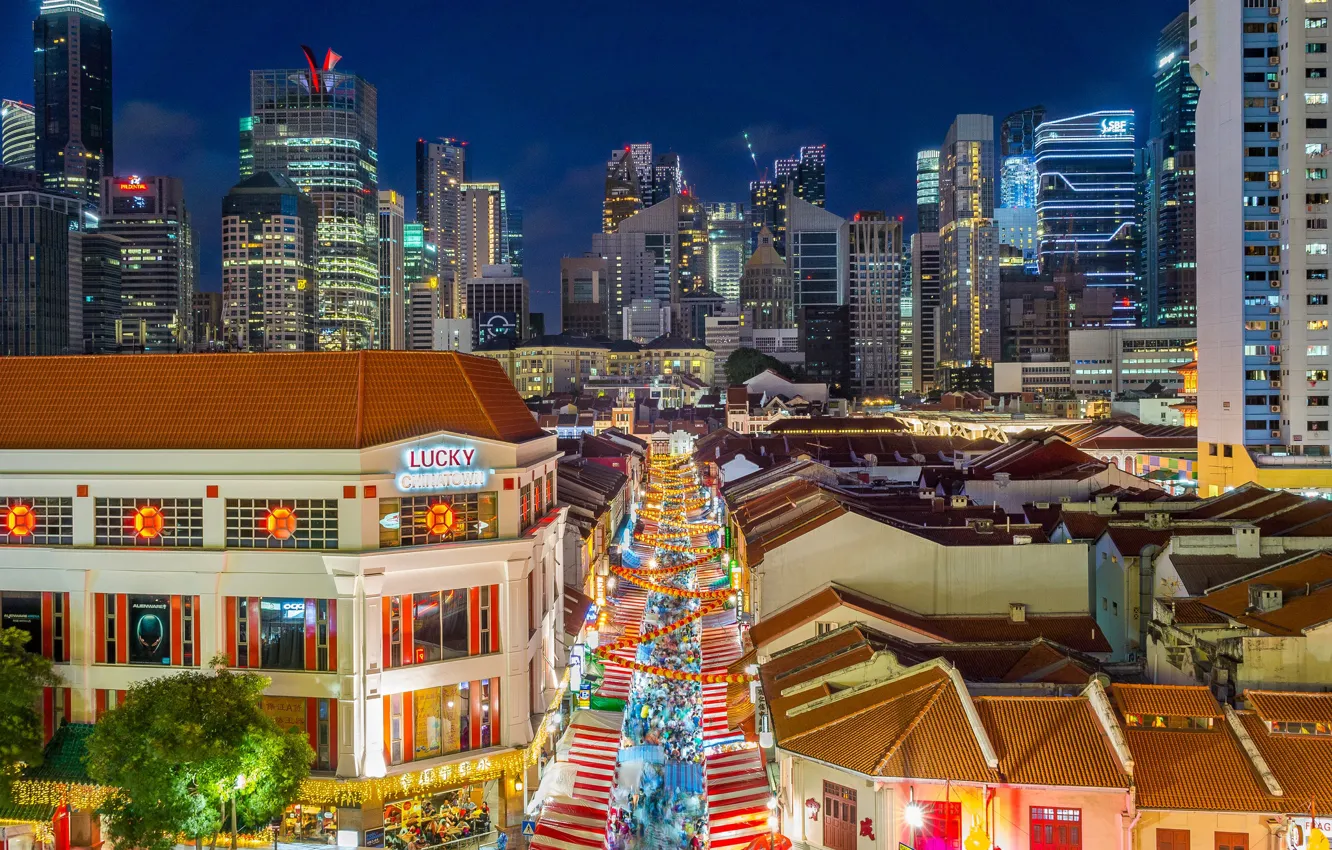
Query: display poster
[
  {"x": 428, "y": 706},
  {"x": 149, "y": 629},
  {"x": 23, "y": 611},
  {"x": 289, "y": 712}
]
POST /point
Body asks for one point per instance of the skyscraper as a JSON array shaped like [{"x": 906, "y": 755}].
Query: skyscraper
[
  {"x": 675, "y": 234},
  {"x": 1017, "y": 158},
  {"x": 41, "y": 255},
  {"x": 73, "y": 111},
  {"x": 765, "y": 288},
  {"x": 101, "y": 292},
  {"x": 875, "y": 283},
  {"x": 1086, "y": 207},
  {"x": 728, "y": 248},
  {"x": 1264, "y": 341},
  {"x": 667, "y": 178},
  {"x": 643, "y": 159},
  {"x": 498, "y": 301},
  {"x": 631, "y": 270},
  {"x": 585, "y": 296},
  {"x": 925, "y": 311},
  {"x": 816, "y": 251},
  {"x": 767, "y": 208},
  {"x": 441, "y": 171},
  {"x": 426, "y": 298},
  {"x": 927, "y": 191},
  {"x": 623, "y": 197},
  {"x": 269, "y": 289},
  {"x": 811, "y": 181},
  {"x": 1168, "y": 235},
  {"x": 391, "y": 331},
  {"x": 906, "y": 317},
  {"x": 18, "y": 135},
  {"x": 481, "y": 236},
  {"x": 318, "y": 126},
  {"x": 513, "y": 238},
  {"x": 159, "y": 260},
  {"x": 968, "y": 244}
]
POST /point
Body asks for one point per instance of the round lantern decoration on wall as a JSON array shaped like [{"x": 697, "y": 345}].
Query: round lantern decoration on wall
[
  {"x": 439, "y": 518},
  {"x": 281, "y": 523},
  {"x": 148, "y": 522},
  {"x": 20, "y": 520}
]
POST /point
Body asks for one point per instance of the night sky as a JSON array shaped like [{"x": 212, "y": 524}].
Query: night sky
[{"x": 543, "y": 91}]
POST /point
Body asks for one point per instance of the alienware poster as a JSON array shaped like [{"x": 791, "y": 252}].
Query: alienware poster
[
  {"x": 23, "y": 611},
  {"x": 491, "y": 325},
  {"x": 150, "y": 629}
]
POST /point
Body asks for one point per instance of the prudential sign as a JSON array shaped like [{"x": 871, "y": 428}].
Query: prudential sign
[{"x": 441, "y": 468}]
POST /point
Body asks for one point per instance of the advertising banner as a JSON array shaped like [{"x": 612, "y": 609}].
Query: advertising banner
[
  {"x": 491, "y": 325},
  {"x": 149, "y": 629},
  {"x": 23, "y": 611},
  {"x": 289, "y": 712}
]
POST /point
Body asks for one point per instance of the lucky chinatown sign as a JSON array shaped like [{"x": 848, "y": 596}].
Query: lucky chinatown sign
[{"x": 441, "y": 468}]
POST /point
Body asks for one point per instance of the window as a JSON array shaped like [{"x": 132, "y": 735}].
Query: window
[
  {"x": 1317, "y": 351},
  {"x": 282, "y": 524},
  {"x": 439, "y": 625},
  {"x": 1315, "y": 375},
  {"x": 839, "y": 816},
  {"x": 149, "y": 522},
  {"x": 43, "y": 617},
  {"x": 1232, "y": 840},
  {"x": 942, "y": 826},
  {"x": 1315, "y": 73},
  {"x": 1315, "y": 124},
  {"x": 1315, "y": 23},
  {"x": 1316, "y": 47},
  {"x": 426, "y": 520},
  {"x": 1317, "y": 300},
  {"x": 1172, "y": 839},
  {"x": 1286, "y": 727},
  {"x": 1317, "y": 401},
  {"x": 284, "y": 633},
  {"x": 1316, "y": 426},
  {"x": 1170, "y": 722},
  {"x": 1315, "y": 97},
  {"x": 823, "y": 628},
  {"x": 36, "y": 521},
  {"x": 1315, "y": 248},
  {"x": 1056, "y": 829},
  {"x": 527, "y": 506},
  {"x": 146, "y": 629}
]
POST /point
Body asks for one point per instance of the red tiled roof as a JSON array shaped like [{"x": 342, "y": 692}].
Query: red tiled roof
[
  {"x": 1196, "y": 770},
  {"x": 1165, "y": 700},
  {"x": 1306, "y": 586},
  {"x": 1050, "y": 741},
  {"x": 1302, "y": 764},
  {"x": 1291, "y": 707},
  {"x": 316, "y": 400}
]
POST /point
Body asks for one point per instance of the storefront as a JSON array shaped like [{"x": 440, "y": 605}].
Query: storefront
[
  {"x": 442, "y": 817},
  {"x": 389, "y": 558}
]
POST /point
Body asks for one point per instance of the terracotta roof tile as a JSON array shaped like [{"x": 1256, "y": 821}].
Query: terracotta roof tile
[
  {"x": 1196, "y": 769},
  {"x": 1050, "y": 741},
  {"x": 1166, "y": 700},
  {"x": 1306, "y": 585},
  {"x": 317, "y": 400},
  {"x": 1302, "y": 764},
  {"x": 1291, "y": 707},
  {"x": 1191, "y": 612},
  {"x": 1084, "y": 525}
]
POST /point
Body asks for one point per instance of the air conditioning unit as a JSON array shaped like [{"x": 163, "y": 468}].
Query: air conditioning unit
[
  {"x": 1276, "y": 435},
  {"x": 1274, "y": 259},
  {"x": 1274, "y": 210},
  {"x": 1274, "y": 85},
  {"x": 1276, "y": 408},
  {"x": 1276, "y": 334},
  {"x": 1276, "y": 284},
  {"x": 1274, "y": 60},
  {"x": 1276, "y": 385},
  {"x": 1274, "y": 311},
  {"x": 1275, "y": 359},
  {"x": 1274, "y": 10},
  {"x": 1275, "y": 110},
  {"x": 1274, "y": 234}
]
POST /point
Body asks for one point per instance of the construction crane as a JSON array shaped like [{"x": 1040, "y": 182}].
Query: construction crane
[{"x": 757, "y": 171}]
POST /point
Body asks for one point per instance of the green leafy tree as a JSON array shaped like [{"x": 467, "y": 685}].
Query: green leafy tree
[
  {"x": 22, "y": 676},
  {"x": 182, "y": 747},
  {"x": 745, "y": 363}
]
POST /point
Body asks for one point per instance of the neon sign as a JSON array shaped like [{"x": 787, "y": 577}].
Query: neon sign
[
  {"x": 441, "y": 468},
  {"x": 133, "y": 184},
  {"x": 1114, "y": 126}
]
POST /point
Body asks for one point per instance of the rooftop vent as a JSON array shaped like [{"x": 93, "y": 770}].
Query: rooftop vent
[
  {"x": 1264, "y": 598},
  {"x": 1017, "y": 612}
]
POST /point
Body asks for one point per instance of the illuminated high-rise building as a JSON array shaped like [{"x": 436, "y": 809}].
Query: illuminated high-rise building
[
  {"x": 18, "y": 135},
  {"x": 1017, "y": 158},
  {"x": 968, "y": 244},
  {"x": 927, "y": 191},
  {"x": 441, "y": 171},
  {"x": 641, "y": 154},
  {"x": 513, "y": 238},
  {"x": 811, "y": 182},
  {"x": 1168, "y": 233},
  {"x": 318, "y": 126},
  {"x": 585, "y": 296},
  {"x": 767, "y": 208},
  {"x": 391, "y": 331},
  {"x": 874, "y": 245},
  {"x": 1264, "y": 247},
  {"x": 73, "y": 111},
  {"x": 623, "y": 195},
  {"x": 925, "y": 311},
  {"x": 481, "y": 237},
  {"x": 765, "y": 288},
  {"x": 676, "y": 235},
  {"x": 159, "y": 260},
  {"x": 269, "y": 288},
  {"x": 1086, "y": 207},
  {"x": 426, "y": 298},
  {"x": 816, "y": 246},
  {"x": 667, "y": 178},
  {"x": 728, "y": 248},
  {"x": 41, "y": 257}
]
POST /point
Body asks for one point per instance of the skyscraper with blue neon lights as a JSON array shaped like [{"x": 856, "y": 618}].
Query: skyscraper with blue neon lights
[{"x": 1085, "y": 208}]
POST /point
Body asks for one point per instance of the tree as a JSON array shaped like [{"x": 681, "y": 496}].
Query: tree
[
  {"x": 23, "y": 675},
  {"x": 181, "y": 748},
  {"x": 745, "y": 363}
]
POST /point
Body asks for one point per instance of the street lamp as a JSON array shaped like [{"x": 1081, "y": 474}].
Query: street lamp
[{"x": 239, "y": 785}]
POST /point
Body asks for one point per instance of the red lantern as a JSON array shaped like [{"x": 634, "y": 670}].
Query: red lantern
[
  {"x": 148, "y": 522},
  {"x": 20, "y": 521},
  {"x": 281, "y": 523}
]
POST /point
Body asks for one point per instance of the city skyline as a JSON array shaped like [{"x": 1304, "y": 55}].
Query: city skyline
[{"x": 547, "y": 146}]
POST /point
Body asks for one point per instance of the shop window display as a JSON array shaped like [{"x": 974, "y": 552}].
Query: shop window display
[{"x": 450, "y": 816}]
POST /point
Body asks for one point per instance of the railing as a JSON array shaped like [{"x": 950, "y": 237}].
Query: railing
[{"x": 465, "y": 843}]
